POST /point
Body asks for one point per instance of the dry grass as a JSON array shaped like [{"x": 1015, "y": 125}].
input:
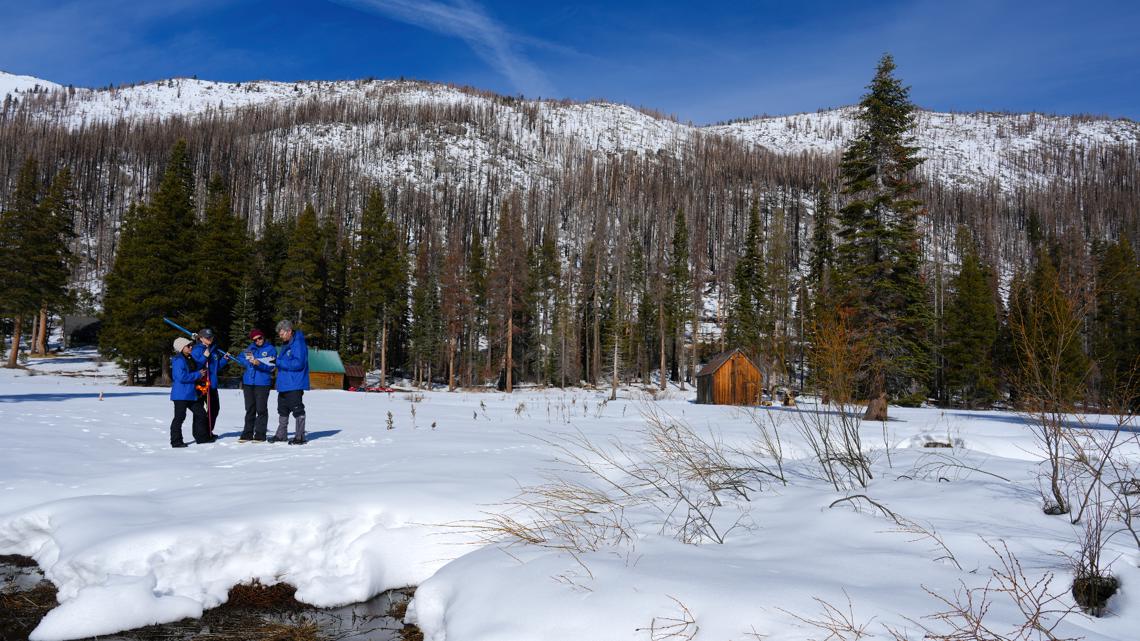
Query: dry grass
[
  {"x": 21, "y": 611},
  {"x": 278, "y": 597}
]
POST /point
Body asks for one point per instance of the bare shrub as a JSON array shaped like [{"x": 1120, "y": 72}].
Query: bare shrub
[
  {"x": 837, "y": 624},
  {"x": 664, "y": 469},
  {"x": 839, "y": 359},
  {"x": 680, "y": 627},
  {"x": 964, "y": 618}
]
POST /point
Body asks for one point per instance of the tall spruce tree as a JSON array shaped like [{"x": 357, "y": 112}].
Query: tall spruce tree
[
  {"x": 679, "y": 296},
  {"x": 378, "y": 281},
  {"x": 221, "y": 249},
  {"x": 1116, "y": 325},
  {"x": 477, "y": 286},
  {"x": 1046, "y": 329},
  {"x": 55, "y": 261},
  {"x": 153, "y": 273},
  {"x": 971, "y": 330},
  {"x": 300, "y": 288},
  {"x": 508, "y": 282},
  {"x": 877, "y": 258},
  {"x": 821, "y": 261},
  {"x": 19, "y": 242},
  {"x": 745, "y": 324},
  {"x": 426, "y": 330}
]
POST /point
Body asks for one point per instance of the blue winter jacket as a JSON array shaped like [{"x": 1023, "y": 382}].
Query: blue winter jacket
[
  {"x": 293, "y": 364},
  {"x": 214, "y": 363},
  {"x": 184, "y": 378},
  {"x": 262, "y": 373}
]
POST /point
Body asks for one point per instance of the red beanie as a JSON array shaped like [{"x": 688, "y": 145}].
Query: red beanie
[{"x": 255, "y": 334}]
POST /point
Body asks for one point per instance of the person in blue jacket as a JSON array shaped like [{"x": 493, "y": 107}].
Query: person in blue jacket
[
  {"x": 255, "y": 384},
  {"x": 207, "y": 356},
  {"x": 292, "y": 381},
  {"x": 184, "y": 393}
]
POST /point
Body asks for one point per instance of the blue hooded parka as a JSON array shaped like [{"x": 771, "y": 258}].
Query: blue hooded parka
[
  {"x": 293, "y": 364},
  {"x": 262, "y": 373}
]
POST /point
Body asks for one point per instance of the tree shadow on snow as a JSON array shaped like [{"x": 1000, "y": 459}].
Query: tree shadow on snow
[
  {"x": 24, "y": 398},
  {"x": 1016, "y": 419}
]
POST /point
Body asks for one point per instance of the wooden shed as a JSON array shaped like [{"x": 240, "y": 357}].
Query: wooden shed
[
  {"x": 326, "y": 371},
  {"x": 729, "y": 378}
]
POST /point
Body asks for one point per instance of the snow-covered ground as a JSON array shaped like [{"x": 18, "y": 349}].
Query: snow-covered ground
[{"x": 134, "y": 532}]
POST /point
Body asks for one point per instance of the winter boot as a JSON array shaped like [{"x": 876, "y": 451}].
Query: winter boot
[
  {"x": 299, "y": 436},
  {"x": 282, "y": 429}
]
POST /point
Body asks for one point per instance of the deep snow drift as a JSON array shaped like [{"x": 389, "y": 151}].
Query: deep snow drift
[{"x": 133, "y": 532}]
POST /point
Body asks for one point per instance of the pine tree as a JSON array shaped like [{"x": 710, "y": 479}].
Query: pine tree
[
  {"x": 1116, "y": 324},
  {"x": 777, "y": 299},
  {"x": 426, "y": 329},
  {"x": 269, "y": 258},
  {"x": 153, "y": 275},
  {"x": 971, "y": 330},
  {"x": 821, "y": 262},
  {"x": 455, "y": 305},
  {"x": 878, "y": 261},
  {"x": 244, "y": 312},
  {"x": 334, "y": 274},
  {"x": 221, "y": 250},
  {"x": 54, "y": 260},
  {"x": 745, "y": 330},
  {"x": 18, "y": 253},
  {"x": 377, "y": 281},
  {"x": 299, "y": 289},
  {"x": 477, "y": 286},
  {"x": 679, "y": 296},
  {"x": 1046, "y": 328},
  {"x": 508, "y": 282}
]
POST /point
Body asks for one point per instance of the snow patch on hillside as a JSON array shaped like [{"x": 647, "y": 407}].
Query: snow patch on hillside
[{"x": 17, "y": 86}]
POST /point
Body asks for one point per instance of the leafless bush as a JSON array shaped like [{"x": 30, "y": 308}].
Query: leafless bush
[
  {"x": 839, "y": 358},
  {"x": 928, "y": 533},
  {"x": 839, "y": 625},
  {"x": 666, "y": 469},
  {"x": 861, "y": 502},
  {"x": 682, "y": 627},
  {"x": 1046, "y": 324},
  {"x": 767, "y": 445},
  {"x": 560, "y": 515},
  {"x": 946, "y": 467},
  {"x": 964, "y": 618}
]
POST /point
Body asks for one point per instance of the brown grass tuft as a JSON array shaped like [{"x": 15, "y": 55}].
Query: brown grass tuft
[{"x": 257, "y": 596}]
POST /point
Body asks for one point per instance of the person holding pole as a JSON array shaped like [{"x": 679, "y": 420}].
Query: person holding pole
[
  {"x": 292, "y": 381},
  {"x": 206, "y": 356},
  {"x": 184, "y": 393}
]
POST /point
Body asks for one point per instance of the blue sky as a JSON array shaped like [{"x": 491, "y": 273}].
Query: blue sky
[{"x": 700, "y": 61}]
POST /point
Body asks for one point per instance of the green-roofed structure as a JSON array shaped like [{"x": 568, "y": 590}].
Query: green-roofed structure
[{"x": 326, "y": 371}]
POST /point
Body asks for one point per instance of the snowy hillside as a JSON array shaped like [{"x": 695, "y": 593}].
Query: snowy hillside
[
  {"x": 963, "y": 149},
  {"x": 16, "y": 86},
  {"x": 133, "y": 532}
]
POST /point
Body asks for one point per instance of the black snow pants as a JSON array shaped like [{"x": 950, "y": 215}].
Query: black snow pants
[
  {"x": 200, "y": 424},
  {"x": 256, "y": 411}
]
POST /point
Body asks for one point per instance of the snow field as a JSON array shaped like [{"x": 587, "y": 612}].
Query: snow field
[{"x": 133, "y": 532}]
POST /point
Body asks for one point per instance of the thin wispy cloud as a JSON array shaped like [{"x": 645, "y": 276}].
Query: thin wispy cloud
[{"x": 489, "y": 39}]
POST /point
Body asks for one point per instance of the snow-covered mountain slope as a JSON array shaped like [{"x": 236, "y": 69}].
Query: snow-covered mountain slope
[
  {"x": 964, "y": 149},
  {"x": 971, "y": 150},
  {"x": 11, "y": 84}
]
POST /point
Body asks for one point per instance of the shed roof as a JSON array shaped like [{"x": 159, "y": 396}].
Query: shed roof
[
  {"x": 720, "y": 359},
  {"x": 325, "y": 360}
]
